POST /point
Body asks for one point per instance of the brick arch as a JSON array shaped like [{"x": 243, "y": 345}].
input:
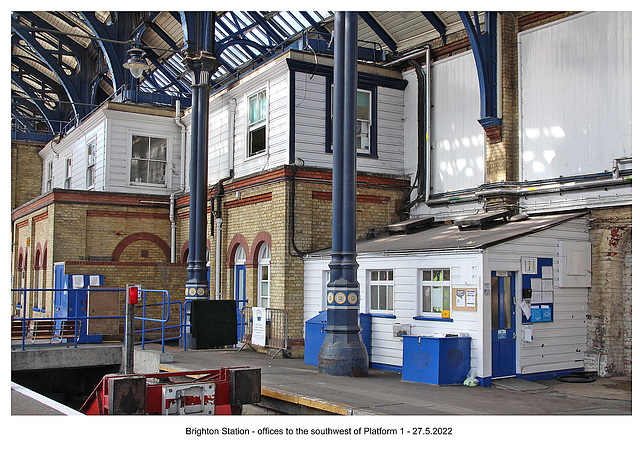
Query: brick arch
[
  {"x": 236, "y": 241},
  {"x": 184, "y": 253},
  {"x": 141, "y": 237},
  {"x": 261, "y": 238},
  {"x": 40, "y": 256}
]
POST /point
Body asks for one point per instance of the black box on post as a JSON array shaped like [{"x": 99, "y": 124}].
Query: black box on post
[{"x": 214, "y": 323}]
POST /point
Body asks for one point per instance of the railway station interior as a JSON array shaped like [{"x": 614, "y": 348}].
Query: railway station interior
[{"x": 438, "y": 198}]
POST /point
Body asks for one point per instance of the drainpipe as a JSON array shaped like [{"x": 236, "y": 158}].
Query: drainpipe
[
  {"x": 172, "y": 199},
  {"x": 216, "y": 201}
]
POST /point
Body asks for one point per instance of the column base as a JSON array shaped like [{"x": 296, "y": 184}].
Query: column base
[{"x": 344, "y": 359}]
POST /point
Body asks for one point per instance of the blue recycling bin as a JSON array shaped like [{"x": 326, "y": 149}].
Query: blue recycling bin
[
  {"x": 314, "y": 336},
  {"x": 436, "y": 360}
]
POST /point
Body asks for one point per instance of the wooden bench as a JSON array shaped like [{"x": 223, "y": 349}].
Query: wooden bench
[
  {"x": 67, "y": 330},
  {"x": 16, "y": 329}
]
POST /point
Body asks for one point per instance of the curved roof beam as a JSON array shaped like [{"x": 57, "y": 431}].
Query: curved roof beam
[{"x": 69, "y": 83}]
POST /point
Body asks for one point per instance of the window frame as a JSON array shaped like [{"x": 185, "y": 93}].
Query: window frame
[
  {"x": 148, "y": 160},
  {"x": 264, "y": 262},
  {"x": 67, "y": 172},
  {"x": 90, "y": 175},
  {"x": 254, "y": 126},
  {"x": 378, "y": 282},
  {"x": 49, "y": 176},
  {"x": 422, "y": 283},
  {"x": 372, "y": 152}
]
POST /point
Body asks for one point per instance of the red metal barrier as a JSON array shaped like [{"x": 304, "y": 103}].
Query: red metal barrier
[{"x": 220, "y": 392}]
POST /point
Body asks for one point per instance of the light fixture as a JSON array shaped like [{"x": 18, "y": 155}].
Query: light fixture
[{"x": 136, "y": 63}]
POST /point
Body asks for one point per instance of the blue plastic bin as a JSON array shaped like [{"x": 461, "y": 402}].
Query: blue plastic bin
[
  {"x": 314, "y": 336},
  {"x": 436, "y": 360}
]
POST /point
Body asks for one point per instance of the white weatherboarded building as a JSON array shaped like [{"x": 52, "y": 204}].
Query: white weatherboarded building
[{"x": 469, "y": 279}]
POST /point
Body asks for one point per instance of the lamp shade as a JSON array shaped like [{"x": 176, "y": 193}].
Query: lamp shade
[{"x": 136, "y": 63}]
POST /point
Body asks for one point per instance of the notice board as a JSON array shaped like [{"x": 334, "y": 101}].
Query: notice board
[
  {"x": 537, "y": 284},
  {"x": 465, "y": 299}
]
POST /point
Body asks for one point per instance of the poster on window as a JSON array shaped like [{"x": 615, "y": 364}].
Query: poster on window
[{"x": 258, "y": 334}]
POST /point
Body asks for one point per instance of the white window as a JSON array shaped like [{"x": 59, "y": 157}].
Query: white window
[
  {"x": 67, "y": 173},
  {"x": 257, "y": 123},
  {"x": 436, "y": 291},
  {"x": 381, "y": 290},
  {"x": 326, "y": 276},
  {"x": 49, "y": 176},
  {"x": 148, "y": 160},
  {"x": 91, "y": 164},
  {"x": 363, "y": 121},
  {"x": 264, "y": 276}
]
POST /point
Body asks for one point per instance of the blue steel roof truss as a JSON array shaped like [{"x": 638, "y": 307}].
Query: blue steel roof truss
[{"x": 241, "y": 40}]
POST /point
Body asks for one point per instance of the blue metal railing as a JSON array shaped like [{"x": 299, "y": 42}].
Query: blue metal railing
[{"x": 166, "y": 304}]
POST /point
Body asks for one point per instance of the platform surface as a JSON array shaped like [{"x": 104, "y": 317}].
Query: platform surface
[{"x": 385, "y": 393}]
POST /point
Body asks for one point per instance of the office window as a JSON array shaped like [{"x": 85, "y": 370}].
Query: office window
[
  {"x": 364, "y": 116},
  {"x": 381, "y": 290},
  {"x": 148, "y": 160},
  {"x": 91, "y": 164},
  {"x": 257, "y": 123},
  {"x": 49, "y": 176},
  {"x": 436, "y": 291},
  {"x": 67, "y": 173},
  {"x": 264, "y": 276}
]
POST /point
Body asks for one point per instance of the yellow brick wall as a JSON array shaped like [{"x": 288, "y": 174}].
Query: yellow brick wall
[
  {"x": 271, "y": 214},
  {"x": 26, "y": 172}
]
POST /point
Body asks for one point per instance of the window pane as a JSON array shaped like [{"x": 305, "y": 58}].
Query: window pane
[
  {"x": 362, "y": 135},
  {"x": 257, "y": 107},
  {"x": 390, "y": 297},
  {"x": 446, "y": 292},
  {"x": 138, "y": 171},
  {"x": 364, "y": 101},
  {"x": 382, "y": 296},
  {"x": 374, "y": 297},
  {"x": 264, "y": 289},
  {"x": 437, "y": 276},
  {"x": 426, "y": 276},
  {"x": 140, "y": 147},
  {"x": 437, "y": 299},
  {"x": 383, "y": 275},
  {"x": 446, "y": 275},
  {"x": 374, "y": 275},
  {"x": 265, "y": 272},
  {"x": 156, "y": 172},
  {"x": 257, "y": 140},
  {"x": 426, "y": 299},
  {"x": 158, "y": 149}
]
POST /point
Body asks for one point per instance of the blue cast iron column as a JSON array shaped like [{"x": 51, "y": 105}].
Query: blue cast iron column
[
  {"x": 202, "y": 65},
  {"x": 343, "y": 352}
]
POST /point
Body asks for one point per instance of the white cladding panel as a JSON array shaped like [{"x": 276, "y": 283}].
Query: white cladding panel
[
  {"x": 275, "y": 80},
  {"x": 309, "y": 106},
  {"x": 559, "y": 344},
  {"x": 575, "y": 95},
  {"x": 310, "y": 124},
  {"x": 385, "y": 348},
  {"x": 74, "y": 146},
  {"x": 457, "y": 154},
  {"x": 122, "y": 126}
]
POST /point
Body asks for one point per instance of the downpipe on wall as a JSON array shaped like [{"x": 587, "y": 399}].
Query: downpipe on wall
[{"x": 172, "y": 198}]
